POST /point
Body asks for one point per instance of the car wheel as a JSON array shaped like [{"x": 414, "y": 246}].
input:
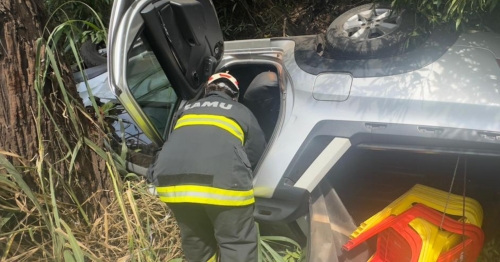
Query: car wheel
[
  {"x": 93, "y": 54},
  {"x": 369, "y": 31}
]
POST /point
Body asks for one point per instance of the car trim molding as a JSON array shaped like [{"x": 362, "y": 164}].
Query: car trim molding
[
  {"x": 129, "y": 27},
  {"x": 323, "y": 163}
]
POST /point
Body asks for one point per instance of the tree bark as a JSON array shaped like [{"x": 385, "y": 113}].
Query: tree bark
[{"x": 21, "y": 24}]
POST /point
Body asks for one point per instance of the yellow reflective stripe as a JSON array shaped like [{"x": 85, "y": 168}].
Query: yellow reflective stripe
[
  {"x": 205, "y": 195},
  {"x": 222, "y": 118},
  {"x": 210, "y": 123},
  {"x": 222, "y": 122},
  {"x": 205, "y": 189},
  {"x": 213, "y": 258},
  {"x": 206, "y": 201}
]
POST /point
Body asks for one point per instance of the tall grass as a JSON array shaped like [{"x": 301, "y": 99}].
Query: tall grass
[
  {"x": 100, "y": 11},
  {"x": 135, "y": 226}
]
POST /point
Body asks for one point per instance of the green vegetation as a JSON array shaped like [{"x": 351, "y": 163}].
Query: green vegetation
[
  {"x": 246, "y": 19},
  {"x": 242, "y": 19},
  {"x": 51, "y": 227},
  {"x": 280, "y": 249},
  {"x": 89, "y": 18},
  {"x": 100, "y": 10},
  {"x": 51, "y": 224},
  {"x": 135, "y": 225},
  {"x": 462, "y": 14}
]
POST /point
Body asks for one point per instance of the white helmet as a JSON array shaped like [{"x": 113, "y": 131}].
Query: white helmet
[{"x": 227, "y": 81}]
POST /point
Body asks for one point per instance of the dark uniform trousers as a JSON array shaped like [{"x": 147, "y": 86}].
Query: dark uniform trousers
[
  {"x": 203, "y": 226},
  {"x": 204, "y": 174}
]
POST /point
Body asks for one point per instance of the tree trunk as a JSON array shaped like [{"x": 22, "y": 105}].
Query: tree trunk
[{"x": 21, "y": 24}]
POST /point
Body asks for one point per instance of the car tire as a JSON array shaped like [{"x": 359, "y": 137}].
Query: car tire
[
  {"x": 358, "y": 34},
  {"x": 91, "y": 56}
]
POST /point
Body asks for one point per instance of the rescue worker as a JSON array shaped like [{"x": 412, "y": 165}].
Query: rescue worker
[{"x": 204, "y": 174}]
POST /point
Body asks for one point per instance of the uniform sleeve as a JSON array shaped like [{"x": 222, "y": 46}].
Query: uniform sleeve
[
  {"x": 150, "y": 174},
  {"x": 255, "y": 142}
]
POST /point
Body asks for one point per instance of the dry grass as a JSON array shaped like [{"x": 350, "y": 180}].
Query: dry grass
[
  {"x": 148, "y": 220},
  {"x": 136, "y": 226},
  {"x": 42, "y": 226},
  {"x": 45, "y": 221}
]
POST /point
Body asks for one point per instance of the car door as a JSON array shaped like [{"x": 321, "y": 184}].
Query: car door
[{"x": 161, "y": 53}]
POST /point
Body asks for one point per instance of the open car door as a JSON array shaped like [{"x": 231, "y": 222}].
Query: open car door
[{"x": 160, "y": 53}]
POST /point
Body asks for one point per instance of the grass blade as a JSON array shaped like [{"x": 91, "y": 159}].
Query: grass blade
[
  {"x": 89, "y": 90},
  {"x": 118, "y": 189},
  {"x": 96, "y": 148},
  {"x": 281, "y": 239},
  {"x": 57, "y": 73},
  {"x": 275, "y": 256},
  {"x": 75, "y": 247},
  {"x": 4, "y": 219},
  {"x": 5, "y": 181},
  {"x": 68, "y": 256},
  {"x": 59, "y": 241},
  {"x": 23, "y": 186},
  {"x": 73, "y": 158}
]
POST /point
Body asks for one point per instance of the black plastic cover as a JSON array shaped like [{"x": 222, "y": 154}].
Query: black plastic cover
[
  {"x": 262, "y": 97},
  {"x": 287, "y": 204},
  {"x": 90, "y": 73},
  {"x": 185, "y": 36},
  {"x": 391, "y": 136}
]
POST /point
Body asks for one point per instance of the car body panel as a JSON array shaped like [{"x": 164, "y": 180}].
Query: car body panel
[
  {"x": 332, "y": 86},
  {"x": 142, "y": 60},
  {"x": 128, "y": 28},
  {"x": 117, "y": 13},
  {"x": 484, "y": 40},
  {"x": 445, "y": 90},
  {"x": 311, "y": 60},
  {"x": 416, "y": 98}
]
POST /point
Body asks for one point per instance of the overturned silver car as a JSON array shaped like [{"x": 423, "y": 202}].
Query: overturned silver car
[{"x": 353, "y": 118}]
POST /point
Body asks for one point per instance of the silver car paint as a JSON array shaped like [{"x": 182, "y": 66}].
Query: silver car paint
[
  {"x": 122, "y": 39},
  {"x": 460, "y": 89},
  {"x": 332, "y": 86},
  {"x": 484, "y": 40}
]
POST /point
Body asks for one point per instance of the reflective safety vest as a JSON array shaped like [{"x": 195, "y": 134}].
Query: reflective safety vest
[
  {"x": 212, "y": 120},
  {"x": 205, "y": 159},
  {"x": 205, "y": 195}
]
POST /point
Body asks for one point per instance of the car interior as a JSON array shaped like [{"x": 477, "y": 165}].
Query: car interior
[
  {"x": 260, "y": 92},
  {"x": 153, "y": 91},
  {"x": 259, "y": 89}
]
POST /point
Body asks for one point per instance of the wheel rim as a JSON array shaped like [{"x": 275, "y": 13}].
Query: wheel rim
[{"x": 371, "y": 24}]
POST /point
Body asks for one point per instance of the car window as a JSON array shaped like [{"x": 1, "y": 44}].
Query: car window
[{"x": 150, "y": 86}]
